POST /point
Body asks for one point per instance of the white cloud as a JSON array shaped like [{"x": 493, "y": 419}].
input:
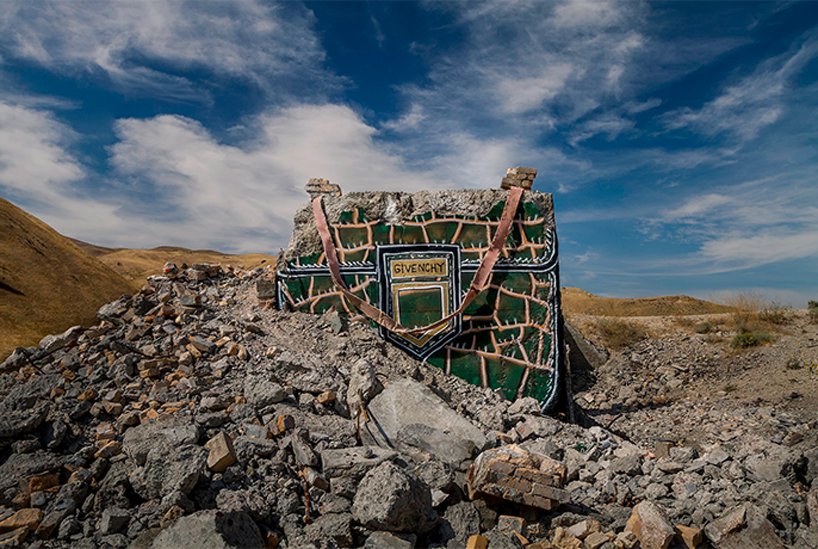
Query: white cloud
[
  {"x": 142, "y": 46},
  {"x": 610, "y": 124},
  {"x": 745, "y": 108},
  {"x": 33, "y": 151},
  {"x": 697, "y": 205},
  {"x": 521, "y": 93}
]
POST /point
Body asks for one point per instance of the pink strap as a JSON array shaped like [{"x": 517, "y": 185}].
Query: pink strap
[{"x": 478, "y": 284}]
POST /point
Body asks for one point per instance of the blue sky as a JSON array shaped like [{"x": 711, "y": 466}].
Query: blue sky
[{"x": 679, "y": 139}]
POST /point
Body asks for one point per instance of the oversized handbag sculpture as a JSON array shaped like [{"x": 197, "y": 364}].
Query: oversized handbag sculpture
[{"x": 467, "y": 281}]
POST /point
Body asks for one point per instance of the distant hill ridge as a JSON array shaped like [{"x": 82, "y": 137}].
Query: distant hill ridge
[{"x": 47, "y": 282}]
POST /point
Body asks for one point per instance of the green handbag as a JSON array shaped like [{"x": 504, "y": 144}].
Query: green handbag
[{"x": 466, "y": 281}]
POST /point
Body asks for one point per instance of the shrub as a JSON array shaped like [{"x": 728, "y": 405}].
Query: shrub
[
  {"x": 775, "y": 314},
  {"x": 618, "y": 334},
  {"x": 704, "y": 327},
  {"x": 742, "y": 340},
  {"x": 812, "y": 308}
]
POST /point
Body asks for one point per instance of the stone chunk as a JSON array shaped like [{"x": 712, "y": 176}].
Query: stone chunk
[
  {"x": 388, "y": 540},
  {"x": 692, "y": 537},
  {"x": 265, "y": 289},
  {"x": 113, "y": 520},
  {"x": 335, "y": 527},
  {"x": 355, "y": 461},
  {"x": 515, "y": 474},
  {"x": 221, "y": 454},
  {"x": 408, "y": 415},
  {"x": 812, "y": 506},
  {"x": 745, "y": 527},
  {"x": 511, "y": 523},
  {"x": 24, "y": 518},
  {"x": 211, "y": 529},
  {"x": 389, "y": 498},
  {"x": 168, "y": 469},
  {"x": 262, "y": 392},
  {"x": 584, "y": 528},
  {"x": 651, "y": 526},
  {"x": 364, "y": 385},
  {"x": 139, "y": 440},
  {"x": 596, "y": 540}
]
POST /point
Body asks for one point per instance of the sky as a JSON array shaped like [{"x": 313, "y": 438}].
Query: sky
[{"x": 679, "y": 139}]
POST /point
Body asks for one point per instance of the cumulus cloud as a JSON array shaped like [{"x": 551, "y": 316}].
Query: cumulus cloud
[{"x": 173, "y": 181}]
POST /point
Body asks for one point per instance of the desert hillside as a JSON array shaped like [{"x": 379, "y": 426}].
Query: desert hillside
[
  {"x": 578, "y": 301},
  {"x": 47, "y": 283}
]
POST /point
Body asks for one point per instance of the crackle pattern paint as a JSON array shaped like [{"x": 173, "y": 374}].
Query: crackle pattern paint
[{"x": 417, "y": 271}]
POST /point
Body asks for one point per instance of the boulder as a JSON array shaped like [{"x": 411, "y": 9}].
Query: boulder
[
  {"x": 391, "y": 499},
  {"x": 174, "y": 431},
  {"x": 409, "y": 416},
  {"x": 211, "y": 529},
  {"x": 745, "y": 527},
  {"x": 169, "y": 469},
  {"x": 651, "y": 526},
  {"x": 334, "y": 527},
  {"x": 345, "y": 467}
]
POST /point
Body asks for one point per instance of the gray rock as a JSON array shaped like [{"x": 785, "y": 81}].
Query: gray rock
[
  {"x": 388, "y": 540},
  {"x": 503, "y": 540},
  {"x": 345, "y": 467},
  {"x": 630, "y": 465},
  {"x": 364, "y": 385},
  {"x": 211, "y": 529},
  {"x": 52, "y": 343},
  {"x": 407, "y": 416},
  {"x": 459, "y": 522},
  {"x": 389, "y": 498},
  {"x": 168, "y": 469},
  {"x": 336, "y": 527},
  {"x": 261, "y": 392},
  {"x": 113, "y": 520},
  {"x": 761, "y": 468},
  {"x": 140, "y": 440}
]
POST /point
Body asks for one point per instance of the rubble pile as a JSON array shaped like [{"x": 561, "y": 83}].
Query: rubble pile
[{"x": 195, "y": 415}]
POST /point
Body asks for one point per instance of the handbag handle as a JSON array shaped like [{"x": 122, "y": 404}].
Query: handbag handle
[{"x": 478, "y": 283}]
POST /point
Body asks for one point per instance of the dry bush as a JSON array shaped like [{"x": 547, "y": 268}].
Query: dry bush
[
  {"x": 619, "y": 334},
  {"x": 812, "y": 308},
  {"x": 754, "y": 318}
]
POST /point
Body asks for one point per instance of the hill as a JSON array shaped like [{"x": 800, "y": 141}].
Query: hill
[
  {"x": 576, "y": 301},
  {"x": 47, "y": 282},
  {"x": 137, "y": 264}
]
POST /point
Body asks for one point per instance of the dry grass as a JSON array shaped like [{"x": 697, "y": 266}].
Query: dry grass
[
  {"x": 136, "y": 265},
  {"x": 576, "y": 301},
  {"x": 755, "y": 320},
  {"x": 618, "y": 334},
  {"x": 47, "y": 283}
]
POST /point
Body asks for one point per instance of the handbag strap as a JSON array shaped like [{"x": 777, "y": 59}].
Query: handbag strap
[{"x": 478, "y": 284}]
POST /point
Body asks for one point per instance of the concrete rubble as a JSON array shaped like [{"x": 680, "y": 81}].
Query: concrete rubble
[{"x": 217, "y": 421}]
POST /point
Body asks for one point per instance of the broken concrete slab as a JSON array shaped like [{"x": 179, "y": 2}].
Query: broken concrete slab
[
  {"x": 169, "y": 431},
  {"x": 211, "y": 529},
  {"x": 745, "y": 527},
  {"x": 169, "y": 469},
  {"x": 390, "y": 498},
  {"x": 408, "y": 416},
  {"x": 516, "y": 474}
]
